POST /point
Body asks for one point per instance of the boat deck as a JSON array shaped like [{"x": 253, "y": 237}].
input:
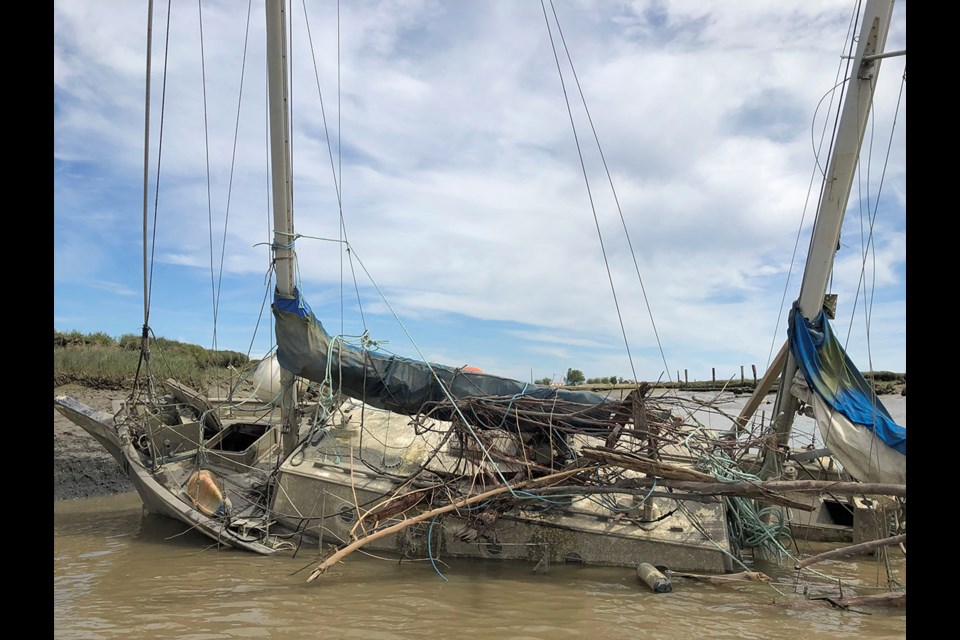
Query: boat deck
[{"x": 345, "y": 472}]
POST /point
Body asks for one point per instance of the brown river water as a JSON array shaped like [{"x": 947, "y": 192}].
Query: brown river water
[{"x": 121, "y": 574}]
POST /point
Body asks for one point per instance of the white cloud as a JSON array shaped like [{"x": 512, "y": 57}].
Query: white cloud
[{"x": 461, "y": 182}]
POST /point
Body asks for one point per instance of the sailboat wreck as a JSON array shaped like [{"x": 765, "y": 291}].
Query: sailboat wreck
[
  {"x": 433, "y": 462},
  {"x": 361, "y": 450}
]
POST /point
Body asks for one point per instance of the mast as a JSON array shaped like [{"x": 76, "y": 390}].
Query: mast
[
  {"x": 833, "y": 200},
  {"x": 284, "y": 258}
]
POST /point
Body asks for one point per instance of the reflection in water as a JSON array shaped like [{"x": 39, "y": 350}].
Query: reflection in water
[{"x": 119, "y": 574}]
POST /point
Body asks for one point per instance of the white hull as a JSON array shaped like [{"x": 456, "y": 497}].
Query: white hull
[{"x": 322, "y": 489}]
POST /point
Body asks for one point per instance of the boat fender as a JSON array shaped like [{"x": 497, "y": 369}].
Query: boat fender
[
  {"x": 205, "y": 493},
  {"x": 652, "y": 577}
]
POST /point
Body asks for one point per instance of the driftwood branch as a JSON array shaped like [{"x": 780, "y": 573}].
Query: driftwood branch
[
  {"x": 699, "y": 482},
  {"x": 400, "y": 526},
  {"x": 592, "y": 489},
  {"x": 893, "y": 599},
  {"x": 769, "y": 491},
  {"x": 761, "y": 488},
  {"x": 847, "y": 551},
  {"x": 638, "y": 487},
  {"x": 839, "y": 488},
  {"x": 644, "y": 464}
]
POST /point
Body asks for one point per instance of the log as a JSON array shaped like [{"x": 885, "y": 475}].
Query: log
[
  {"x": 768, "y": 490},
  {"x": 889, "y": 599},
  {"x": 892, "y": 599},
  {"x": 638, "y": 487},
  {"x": 852, "y": 549},
  {"x": 705, "y": 483},
  {"x": 650, "y": 576},
  {"x": 743, "y": 576},
  {"x": 400, "y": 526},
  {"x": 760, "y": 488}
]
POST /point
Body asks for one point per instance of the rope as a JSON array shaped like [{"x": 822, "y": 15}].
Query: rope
[
  {"x": 750, "y": 526},
  {"x": 430, "y": 548},
  {"x": 616, "y": 200}
]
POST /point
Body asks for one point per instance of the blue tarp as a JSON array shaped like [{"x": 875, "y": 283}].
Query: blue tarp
[{"x": 832, "y": 375}]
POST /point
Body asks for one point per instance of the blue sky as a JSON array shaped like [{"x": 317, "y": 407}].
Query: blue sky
[{"x": 464, "y": 199}]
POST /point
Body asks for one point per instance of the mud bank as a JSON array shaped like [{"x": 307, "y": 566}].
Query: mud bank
[{"x": 82, "y": 468}]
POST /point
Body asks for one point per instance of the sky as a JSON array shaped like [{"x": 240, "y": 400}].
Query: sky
[{"x": 626, "y": 188}]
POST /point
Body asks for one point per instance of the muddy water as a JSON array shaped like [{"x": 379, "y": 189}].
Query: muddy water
[{"x": 121, "y": 574}]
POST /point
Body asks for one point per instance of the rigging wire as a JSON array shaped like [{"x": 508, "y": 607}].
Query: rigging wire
[
  {"x": 868, "y": 250},
  {"x": 843, "y": 69},
  {"x": 436, "y": 377},
  {"x": 268, "y": 190},
  {"x": 206, "y": 154},
  {"x": 323, "y": 111},
  {"x": 150, "y": 253},
  {"x": 217, "y": 272},
  {"x": 233, "y": 162},
  {"x": 868, "y": 242},
  {"x": 336, "y": 166},
  {"x": 586, "y": 179},
  {"x": 148, "y": 286},
  {"x": 623, "y": 221},
  {"x": 337, "y": 178}
]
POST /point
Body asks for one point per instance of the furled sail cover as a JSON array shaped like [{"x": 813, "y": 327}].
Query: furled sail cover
[
  {"x": 834, "y": 378},
  {"x": 400, "y": 384}
]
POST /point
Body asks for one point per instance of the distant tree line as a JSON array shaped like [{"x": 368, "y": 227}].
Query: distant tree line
[
  {"x": 883, "y": 381},
  {"x": 575, "y": 377}
]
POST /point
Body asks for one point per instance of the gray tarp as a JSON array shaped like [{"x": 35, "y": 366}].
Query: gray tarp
[{"x": 400, "y": 384}]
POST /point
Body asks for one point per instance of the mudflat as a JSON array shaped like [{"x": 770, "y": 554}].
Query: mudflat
[{"x": 82, "y": 468}]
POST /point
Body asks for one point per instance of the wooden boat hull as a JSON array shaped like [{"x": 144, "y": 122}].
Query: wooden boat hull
[
  {"x": 315, "y": 499},
  {"x": 157, "y": 495},
  {"x": 320, "y": 500}
]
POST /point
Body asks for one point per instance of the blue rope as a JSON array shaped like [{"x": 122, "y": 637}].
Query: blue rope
[{"x": 430, "y": 549}]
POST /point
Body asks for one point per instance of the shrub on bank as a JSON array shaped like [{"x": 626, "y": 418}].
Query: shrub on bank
[{"x": 97, "y": 360}]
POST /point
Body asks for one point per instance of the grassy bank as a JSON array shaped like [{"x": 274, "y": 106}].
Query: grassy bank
[{"x": 102, "y": 362}]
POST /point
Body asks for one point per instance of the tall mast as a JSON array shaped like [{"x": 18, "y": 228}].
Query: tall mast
[
  {"x": 833, "y": 201},
  {"x": 284, "y": 258}
]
